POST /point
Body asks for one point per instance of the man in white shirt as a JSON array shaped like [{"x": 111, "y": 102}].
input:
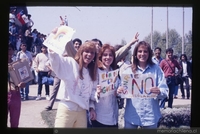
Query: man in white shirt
[
  {"x": 24, "y": 53},
  {"x": 157, "y": 58},
  {"x": 186, "y": 73}
]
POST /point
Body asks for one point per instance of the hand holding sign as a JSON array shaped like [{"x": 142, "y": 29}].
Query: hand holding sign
[
  {"x": 58, "y": 38},
  {"x": 155, "y": 90}
]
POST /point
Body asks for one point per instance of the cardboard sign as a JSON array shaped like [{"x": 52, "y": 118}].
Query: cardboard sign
[
  {"x": 138, "y": 85},
  {"x": 58, "y": 41},
  {"x": 20, "y": 71},
  {"x": 107, "y": 80}
]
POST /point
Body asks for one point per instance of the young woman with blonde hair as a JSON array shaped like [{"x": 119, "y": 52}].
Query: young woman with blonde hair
[{"x": 78, "y": 78}]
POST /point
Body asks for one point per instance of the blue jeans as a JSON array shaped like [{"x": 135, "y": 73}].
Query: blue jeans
[
  {"x": 40, "y": 75},
  {"x": 176, "y": 91},
  {"x": 25, "y": 91},
  {"x": 128, "y": 125},
  {"x": 172, "y": 88}
]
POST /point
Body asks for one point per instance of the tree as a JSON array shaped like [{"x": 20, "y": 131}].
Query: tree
[
  {"x": 174, "y": 42},
  {"x": 188, "y": 44}
]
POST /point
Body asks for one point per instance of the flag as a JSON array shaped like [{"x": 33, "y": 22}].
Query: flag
[{"x": 19, "y": 17}]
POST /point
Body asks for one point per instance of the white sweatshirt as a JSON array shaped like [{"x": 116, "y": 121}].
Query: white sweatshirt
[{"x": 73, "y": 92}]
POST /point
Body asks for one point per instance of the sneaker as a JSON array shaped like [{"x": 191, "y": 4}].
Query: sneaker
[
  {"x": 38, "y": 97},
  {"x": 48, "y": 108},
  {"x": 47, "y": 97}
]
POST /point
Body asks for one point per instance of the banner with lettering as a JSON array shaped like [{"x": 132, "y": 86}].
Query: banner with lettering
[
  {"x": 107, "y": 80},
  {"x": 57, "y": 41},
  {"x": 138, "y": 85}
]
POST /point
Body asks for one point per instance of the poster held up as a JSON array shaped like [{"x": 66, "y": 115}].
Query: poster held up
[
  {"x": 57, "y": 41},
  {"x": 138, "y": 85},
  {"x": 107, "y": 80}
]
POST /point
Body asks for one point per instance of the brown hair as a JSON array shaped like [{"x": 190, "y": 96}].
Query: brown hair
[
  {"x": 104, "y": 47},
  {"x": 92, "y": 66},
  {"x": 136, "y": 61}
]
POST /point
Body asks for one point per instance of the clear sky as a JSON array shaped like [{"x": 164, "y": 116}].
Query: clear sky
[{"x": 112, "y": 24}]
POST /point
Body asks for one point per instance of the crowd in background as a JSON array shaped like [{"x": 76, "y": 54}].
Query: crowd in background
[{"x": 28, "y": 43}]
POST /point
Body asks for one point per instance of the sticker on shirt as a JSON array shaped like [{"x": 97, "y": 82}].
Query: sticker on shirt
[
  {"x": 57, "y": 41},
  {"x": 138, "y": 85},
  {"x": 106, "y": 81}
]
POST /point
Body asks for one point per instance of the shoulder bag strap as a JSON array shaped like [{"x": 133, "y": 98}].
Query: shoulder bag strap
[{"x": 170, "y": 66}]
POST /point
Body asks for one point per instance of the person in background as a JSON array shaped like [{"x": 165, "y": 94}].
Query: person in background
[
  {"x": 12, "y": 16},
  {"x": 177, "y": 86},
  {"x": 186, "y": 73},
  {"x": 123, "y": 63},
  {"x": 157, "y": 58},
  {"x": 30, "y": 22},
  {"x": 41, "y": 60},
  {"x": 144, "y": 112},
  {"x": 24, "y": 53},
  {"x": 13, "y": 97},
  {"x": 13, "y": 33},
  {"x": 71, "y": 51},
  {"x": 77, "y": 43},
  {"x": 29, "y": 38},
  {"x": 56, "y": 86},
  {"x": 168, "y": 66}
]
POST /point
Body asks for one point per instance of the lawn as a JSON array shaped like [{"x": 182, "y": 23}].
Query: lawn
[{"x": 178, "y": 117}]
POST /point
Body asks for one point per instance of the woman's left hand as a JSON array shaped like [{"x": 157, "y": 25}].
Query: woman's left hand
[{"x": 155, "y": 90}]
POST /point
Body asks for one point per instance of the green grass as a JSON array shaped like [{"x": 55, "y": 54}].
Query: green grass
[{"x": 49, "y": 116}]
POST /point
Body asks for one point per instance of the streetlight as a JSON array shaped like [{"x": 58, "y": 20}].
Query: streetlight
[
  {"x": 152, "y": 28},
  {"x": 166, "y": 40},
  {"x": 183, "y": 34}
]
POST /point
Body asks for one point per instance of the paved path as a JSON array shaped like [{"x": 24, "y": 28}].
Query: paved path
[{"x": 31, "y": 110}]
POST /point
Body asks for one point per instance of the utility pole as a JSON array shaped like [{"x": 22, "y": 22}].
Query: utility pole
[
  {"x": 167, "y": 31},
  {"x": 152, "y": 28},
  {"x": 183, "y": 34}
]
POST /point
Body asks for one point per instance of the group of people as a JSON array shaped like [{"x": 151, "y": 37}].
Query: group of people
[
  {"x": 79, "y": 90},
  {"x": 172, "y": 67}
]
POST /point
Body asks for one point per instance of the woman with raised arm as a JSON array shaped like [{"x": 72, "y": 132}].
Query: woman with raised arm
[{"x": 78, "y": 78}]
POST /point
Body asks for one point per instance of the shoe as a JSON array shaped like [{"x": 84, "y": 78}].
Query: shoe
[
  {"x": 38, "y": 97},
  {"x": 175, "y": 97},
  {"x": 183, "y": 97},
  {"x": 47, "y": 97},
  {"x": 48, "y": 108},
  {"x": 26, "y": 98}
]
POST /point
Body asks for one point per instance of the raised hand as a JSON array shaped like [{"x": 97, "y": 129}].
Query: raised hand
[{"x": 135, "y": 39}]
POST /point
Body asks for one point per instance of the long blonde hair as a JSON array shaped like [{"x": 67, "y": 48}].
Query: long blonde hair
[{"x": 92, "y": 66}]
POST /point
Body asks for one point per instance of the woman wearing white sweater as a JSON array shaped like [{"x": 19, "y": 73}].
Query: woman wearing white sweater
[{"x": 78, "y": 78}]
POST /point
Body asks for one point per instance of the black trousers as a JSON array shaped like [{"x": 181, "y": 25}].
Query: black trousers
[{"x": 40, "y": 75}]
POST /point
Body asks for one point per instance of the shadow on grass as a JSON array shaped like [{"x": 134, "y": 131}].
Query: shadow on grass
[{"x": 49, "y": 116}]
